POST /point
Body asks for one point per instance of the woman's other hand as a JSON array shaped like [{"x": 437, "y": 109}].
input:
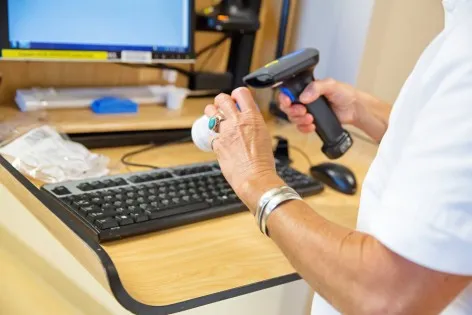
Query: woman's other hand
[{"x": 243, "y": 146}]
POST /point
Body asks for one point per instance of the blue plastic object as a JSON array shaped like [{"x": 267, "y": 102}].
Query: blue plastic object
[
  {"x": 289, "y": 93},
  {"x": 114, "y": 105}
]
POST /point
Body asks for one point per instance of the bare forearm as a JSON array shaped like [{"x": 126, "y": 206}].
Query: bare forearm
[
  {"x": 373, "y": 115},
  {"x": 328, "y": 257},
  {"x": 352, "y": 270}
]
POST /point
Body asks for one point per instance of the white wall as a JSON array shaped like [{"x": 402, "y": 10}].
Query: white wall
[{"x": 338, "y": 28}]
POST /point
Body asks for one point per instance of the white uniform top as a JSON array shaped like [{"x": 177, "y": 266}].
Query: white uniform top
[{"x": 417, "y": 196}]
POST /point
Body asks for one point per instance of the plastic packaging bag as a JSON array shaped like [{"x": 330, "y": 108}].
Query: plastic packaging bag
[{"x": 44, "y": 154}]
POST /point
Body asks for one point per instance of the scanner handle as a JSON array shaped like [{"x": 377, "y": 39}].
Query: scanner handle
[{"x": 336, "y": 140}]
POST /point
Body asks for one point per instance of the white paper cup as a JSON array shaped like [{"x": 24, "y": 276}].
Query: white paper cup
[{"x": 176, "y": 97}]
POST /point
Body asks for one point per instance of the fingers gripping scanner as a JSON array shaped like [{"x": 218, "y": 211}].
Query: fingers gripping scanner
[{"x": 292, "y": 74}]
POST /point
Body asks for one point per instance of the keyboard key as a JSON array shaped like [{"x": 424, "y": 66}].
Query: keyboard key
[
  {"x": 107, "y": 193},
  {"x": 107, "y": 207},
  {"x": 90, "y": 209},
  {"x": 135, "y": 179},
  {"x": 119, "y": 182},
  {"x": 133, "y": 209},
  {"x": 106, "y": 223},
  {"x": 139, "y": 217},
  {"x": 165, "y": 175},
  {"x": 152, "y": 215},
  {"x": 100, "y": 215},
  {"x": 142, "y": 193},
  {"x": 67, "y": 200},
  {"x": 124, "y": 220},
  {"x": 81, "y": 203},
  {"x": 122, "y": 210},
  {"x": 178, "y": 210},
  {"x": 97, "y": 184},
  {"x": 108, "y": 183},
  {"x": 85, "y": 187},
  {"x": 146, "y": 178},
  {"x": 196, "y": 197},
  {"x": 97, "y": 201},
  {"x": 61, "y": 191},
  {"x": 118, "y": 203}
]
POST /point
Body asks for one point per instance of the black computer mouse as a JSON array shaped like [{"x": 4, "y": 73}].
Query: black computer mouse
[{"x": 336, "y": 176}]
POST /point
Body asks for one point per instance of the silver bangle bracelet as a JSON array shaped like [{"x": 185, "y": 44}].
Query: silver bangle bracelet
[
  {"x": 264, "y": 200},
  {"x": 284, "y": 194},
  {"x": 274, "y": 204}
]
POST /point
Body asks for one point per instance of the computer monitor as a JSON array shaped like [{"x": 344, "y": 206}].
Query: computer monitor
[{"x": 130, "y": 31}]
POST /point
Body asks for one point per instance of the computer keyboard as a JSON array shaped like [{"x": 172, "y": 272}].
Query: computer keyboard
[{"x": 120, "y": 206}]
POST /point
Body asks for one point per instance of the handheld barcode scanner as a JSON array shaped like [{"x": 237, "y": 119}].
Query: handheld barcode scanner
[{"x": 292, "y": 74}]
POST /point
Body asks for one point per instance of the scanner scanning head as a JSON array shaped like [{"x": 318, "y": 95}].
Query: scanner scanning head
[{"x": 277, "y": 71}]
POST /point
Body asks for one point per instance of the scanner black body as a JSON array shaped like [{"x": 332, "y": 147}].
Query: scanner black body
[{"x": 292, "y": 73}]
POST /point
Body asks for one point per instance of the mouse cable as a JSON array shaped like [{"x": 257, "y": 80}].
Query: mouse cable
[
  {"x": 303, "y": 153},
  {"x": 150, "y": 147}
]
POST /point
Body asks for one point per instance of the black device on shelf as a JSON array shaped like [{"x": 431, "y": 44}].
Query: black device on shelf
[
  {"x": 120, "y": 206},
  {"x": 229, "y": 16},
  {"x": 239, "y": 19}
]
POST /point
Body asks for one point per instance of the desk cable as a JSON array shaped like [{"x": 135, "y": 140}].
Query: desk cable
[{"x": 150, "y": 147}]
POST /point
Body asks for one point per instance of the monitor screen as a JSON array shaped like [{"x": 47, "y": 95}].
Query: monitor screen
[{"x": 97, "y": 30}]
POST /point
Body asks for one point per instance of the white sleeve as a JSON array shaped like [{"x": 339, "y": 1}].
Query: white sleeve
[{"x": 426, "y": 208}]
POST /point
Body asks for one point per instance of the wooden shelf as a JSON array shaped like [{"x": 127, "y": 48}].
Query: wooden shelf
[{"x": 149, "y": 117}]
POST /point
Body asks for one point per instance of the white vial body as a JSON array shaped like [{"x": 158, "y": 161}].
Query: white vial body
[{"x": 201, "y": 134}]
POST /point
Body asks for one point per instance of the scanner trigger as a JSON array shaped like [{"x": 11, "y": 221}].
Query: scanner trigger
[{"x": 289, "y": 93}]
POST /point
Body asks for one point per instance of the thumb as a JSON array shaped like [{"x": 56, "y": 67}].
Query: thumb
[{"x": 315, "y": 89}]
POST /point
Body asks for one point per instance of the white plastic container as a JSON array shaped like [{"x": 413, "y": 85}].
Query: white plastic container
[{"x": 201, "y": 134}]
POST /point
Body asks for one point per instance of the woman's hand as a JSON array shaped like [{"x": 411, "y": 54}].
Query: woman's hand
[
  {"x": 342, "y": 97},
  {"x": 243, "y": 147}
]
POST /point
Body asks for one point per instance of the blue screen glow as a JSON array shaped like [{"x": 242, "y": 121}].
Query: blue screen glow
[{"x": 99, "y": 24}]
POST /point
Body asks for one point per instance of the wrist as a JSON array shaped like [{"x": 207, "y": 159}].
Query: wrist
[
  {"x": 361, "y": 113},
  {"x": 252, "y": 189}
]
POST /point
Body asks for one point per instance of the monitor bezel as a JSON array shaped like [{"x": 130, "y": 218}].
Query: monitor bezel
[{"x": 161, "y": 57}]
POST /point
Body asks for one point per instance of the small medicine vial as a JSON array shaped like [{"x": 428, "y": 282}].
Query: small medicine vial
[{"x": 201, "y": 134}]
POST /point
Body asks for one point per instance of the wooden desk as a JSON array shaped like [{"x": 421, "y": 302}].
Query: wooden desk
[{"x": 181, "y": 268}]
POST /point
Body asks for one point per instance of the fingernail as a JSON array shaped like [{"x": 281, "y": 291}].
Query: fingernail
[{"x": 306, "y": 95}]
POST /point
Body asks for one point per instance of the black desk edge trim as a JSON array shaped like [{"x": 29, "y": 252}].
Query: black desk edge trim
[{"x": 120, "y": 293}]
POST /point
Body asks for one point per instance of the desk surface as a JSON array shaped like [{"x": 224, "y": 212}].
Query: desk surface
[
  {"x": 149, "y": 117},
  {"x": 216, "y": 258}
]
